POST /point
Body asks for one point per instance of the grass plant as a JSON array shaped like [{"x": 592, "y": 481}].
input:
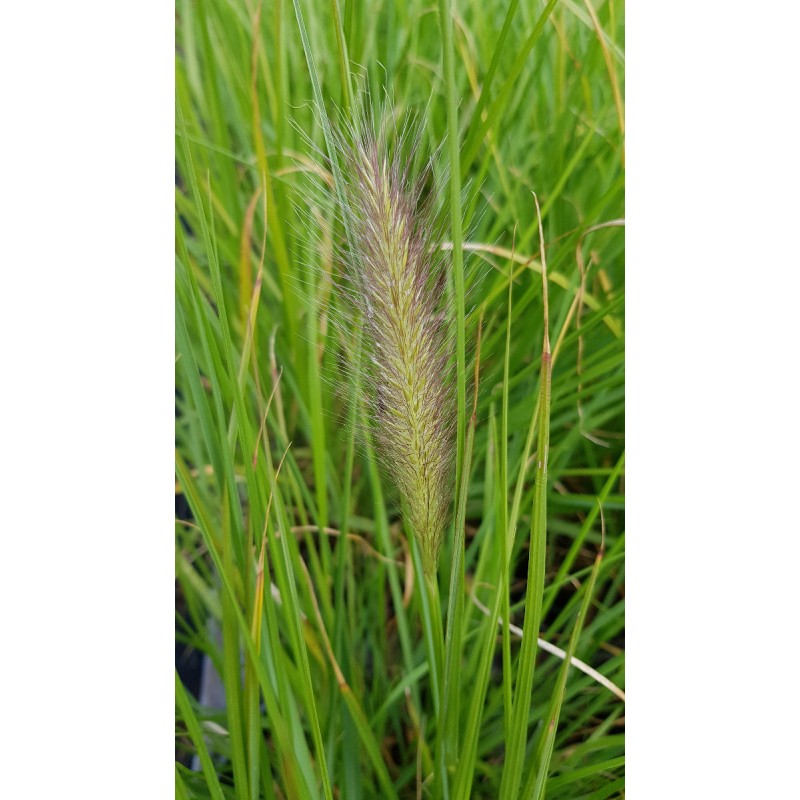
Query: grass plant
[{"x": 369, "y": 547}]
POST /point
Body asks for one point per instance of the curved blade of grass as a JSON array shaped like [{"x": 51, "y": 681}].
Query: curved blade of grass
[
  {"x": 356, "y": 711},
  {"x": 455, "y": 602},
  {"x": 284, "y": 563},
  {"x": 503, "y": 518},
  {"x": 399, "y": 690},
  {"x": 575, "y": 775},
  {"x": 448, "y": 56},
  {"x": 341, "y": 49},
  {"x": 535, "y": 785},
  {"x": 231, "y": 663},
  {"x": 465, "y": 770},
  {"x": 288, "y": 589},
  {"x": 368, "y": 740},
  {"x": 193, "y": 727},
  {"x": 181, "y": 792},
  {"x": 384, "y": 542},
  {"x": 287, "y": 743},
  {"x": 518, "y": 735},
  {"x": 493, "y": 115},
  {"x": 239, "y": 424},
  {"x": 498, "y": 51},
  {"x": 323, "y": 116},
  {"x": 512, "y": 770},
  {"x": 561, "y": 655},
  {"x": 341, "y": 633},
  {"x": 597, "y": 504},
  {"x": 274, "y": 220}
]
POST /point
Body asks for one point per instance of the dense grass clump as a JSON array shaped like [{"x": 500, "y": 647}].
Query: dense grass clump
[{"x": 400, "y": 542}]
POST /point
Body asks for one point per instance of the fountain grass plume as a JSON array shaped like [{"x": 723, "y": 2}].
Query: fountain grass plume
[{"x": 394, "y": 263}]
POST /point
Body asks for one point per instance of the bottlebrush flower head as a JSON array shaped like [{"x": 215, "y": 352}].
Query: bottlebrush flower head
[{"x": 394, "y": 263}]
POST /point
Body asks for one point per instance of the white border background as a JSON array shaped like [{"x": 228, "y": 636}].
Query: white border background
[
  {"x": 86, "y": 331},
  {"x": 86, "y": 419}
]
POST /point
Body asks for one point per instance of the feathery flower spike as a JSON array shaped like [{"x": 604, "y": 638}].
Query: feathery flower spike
[{"x": 396, "y": 269}]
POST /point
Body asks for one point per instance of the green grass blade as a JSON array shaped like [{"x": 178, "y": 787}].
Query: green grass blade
[
  {"x": 478, "y": 134},
  {"x": 193, "y": 727},
  {"x": 291, "y": 752},
  {"x": 448, "y": 57},
  {"x": 518, "y": 736},
  {"x": 452, "y": 687},
  {"x": 535, "y": 785},
  {"x": 368, "y": 740}
]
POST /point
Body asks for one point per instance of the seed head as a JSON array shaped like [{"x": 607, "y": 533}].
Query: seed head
[{"x": 395, "y": 266}]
